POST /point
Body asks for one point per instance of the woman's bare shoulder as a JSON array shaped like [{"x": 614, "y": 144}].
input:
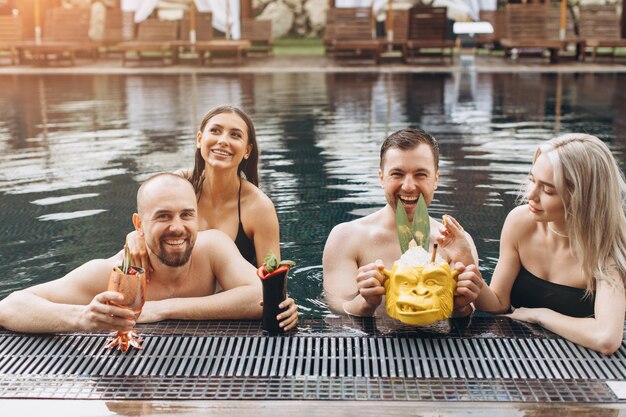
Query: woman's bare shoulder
[
  {"x": 253, "y": 198},
  {"x": 519, "y": 225},
  {"x": 520, "y": 216}
]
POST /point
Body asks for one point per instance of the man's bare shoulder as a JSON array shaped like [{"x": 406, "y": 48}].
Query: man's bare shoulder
[
  {"x": 355, "y": 238},
  {"x": 185, "y": 173},
  {"x": 209, "y": 239},
  {"x": 348, "y": 232},
  {"x": 214, "y": 244},
  {"x": 359, "y": 228}
]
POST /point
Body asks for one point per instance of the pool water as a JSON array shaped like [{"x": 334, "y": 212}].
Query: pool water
[{"x": 73, "y": 150}]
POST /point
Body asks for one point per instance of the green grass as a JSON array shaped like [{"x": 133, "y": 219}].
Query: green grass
[
  {"x": 619, "y": 52},
  {"x": 298, "y": 46}
]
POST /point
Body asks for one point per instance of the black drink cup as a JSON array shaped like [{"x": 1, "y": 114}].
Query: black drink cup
[{"x": 274, "y": 293}]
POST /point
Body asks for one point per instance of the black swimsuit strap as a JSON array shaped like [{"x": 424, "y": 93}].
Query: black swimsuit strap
[
  {"x": 239, "y": 204},
  {"x": 243, "y": 243}
]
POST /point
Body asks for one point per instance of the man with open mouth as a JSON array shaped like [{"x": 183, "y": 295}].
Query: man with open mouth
[{"x": 356, "y": 252}]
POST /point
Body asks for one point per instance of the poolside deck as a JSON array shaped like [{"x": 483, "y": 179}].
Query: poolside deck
[{"x": 298, "y": 64}]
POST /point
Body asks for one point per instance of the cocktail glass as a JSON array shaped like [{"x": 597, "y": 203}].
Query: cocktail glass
[{"x": 133, "y": 287}]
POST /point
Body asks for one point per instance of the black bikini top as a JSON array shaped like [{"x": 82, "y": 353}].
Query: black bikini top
[
  {"x": 534, "y": 292},
  {"x": 243, "y": 243}
]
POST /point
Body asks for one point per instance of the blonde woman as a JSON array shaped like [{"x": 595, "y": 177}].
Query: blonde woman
[{"x": 563, "y": 254}]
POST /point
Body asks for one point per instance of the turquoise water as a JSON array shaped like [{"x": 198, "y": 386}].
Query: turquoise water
[{"x": 73, "y": 150}]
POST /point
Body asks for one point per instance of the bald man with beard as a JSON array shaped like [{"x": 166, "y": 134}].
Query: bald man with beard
[{"x": 187, "y": 267}]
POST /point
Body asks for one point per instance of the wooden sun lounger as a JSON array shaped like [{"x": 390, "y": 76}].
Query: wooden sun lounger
[
  {"x": 155, "y": 37},
  {"x": 222, "y": 47},
  {"x": 600, "y": 27},
  {"x": 206, "y": 46},
  {"x": 353, "y": 33},
  {"x": 497, "y": 18},
  {"x": 553, "y": 23},
  {"x": 527, "y": 28},
  {"x": 400, "y": 25},
  {"x": 204, "y": 28},
  {"x": 119, "y": 27},
  {"x": 10, "y": 36},
  {"x": 400, "y": 31},
  {"x": 65, "y": 33},
  {"x": 329, "y": 30},
  {"x": 428, "y": 29},
  {"x": 258, "y": 33}
]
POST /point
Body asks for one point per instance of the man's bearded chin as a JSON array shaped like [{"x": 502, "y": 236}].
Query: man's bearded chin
[{"x": 173, "y": 259}]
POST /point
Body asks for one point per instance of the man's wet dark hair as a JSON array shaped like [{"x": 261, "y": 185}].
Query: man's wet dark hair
[{"x": 407, "y": 139}]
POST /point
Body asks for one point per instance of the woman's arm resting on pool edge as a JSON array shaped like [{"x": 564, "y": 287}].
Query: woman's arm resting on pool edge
[{"x": 602, "y": 333}]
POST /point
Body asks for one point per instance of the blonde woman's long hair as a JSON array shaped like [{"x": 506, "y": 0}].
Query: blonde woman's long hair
[{"x": 593, "y": 190}]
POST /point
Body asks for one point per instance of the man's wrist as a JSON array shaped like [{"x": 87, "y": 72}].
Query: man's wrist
[
  {"x": 76, "y": 322},
  {"x": 158, "y": 310}
]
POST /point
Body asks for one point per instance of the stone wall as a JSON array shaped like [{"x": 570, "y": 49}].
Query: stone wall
[{"x": 293, "y": 17}]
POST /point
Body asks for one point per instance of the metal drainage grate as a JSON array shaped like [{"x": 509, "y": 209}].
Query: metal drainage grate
[
  {"x": 483, "y": 359},
  {"x": 310, "y": 356}
]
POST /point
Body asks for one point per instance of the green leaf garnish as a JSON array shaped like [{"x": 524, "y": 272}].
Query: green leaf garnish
[
  {"x": 421, "y": 223},
  {"x": 271, "y": 263},
  {"x": 403, "y": 227},
  {"x": 418, "y": 230}
]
